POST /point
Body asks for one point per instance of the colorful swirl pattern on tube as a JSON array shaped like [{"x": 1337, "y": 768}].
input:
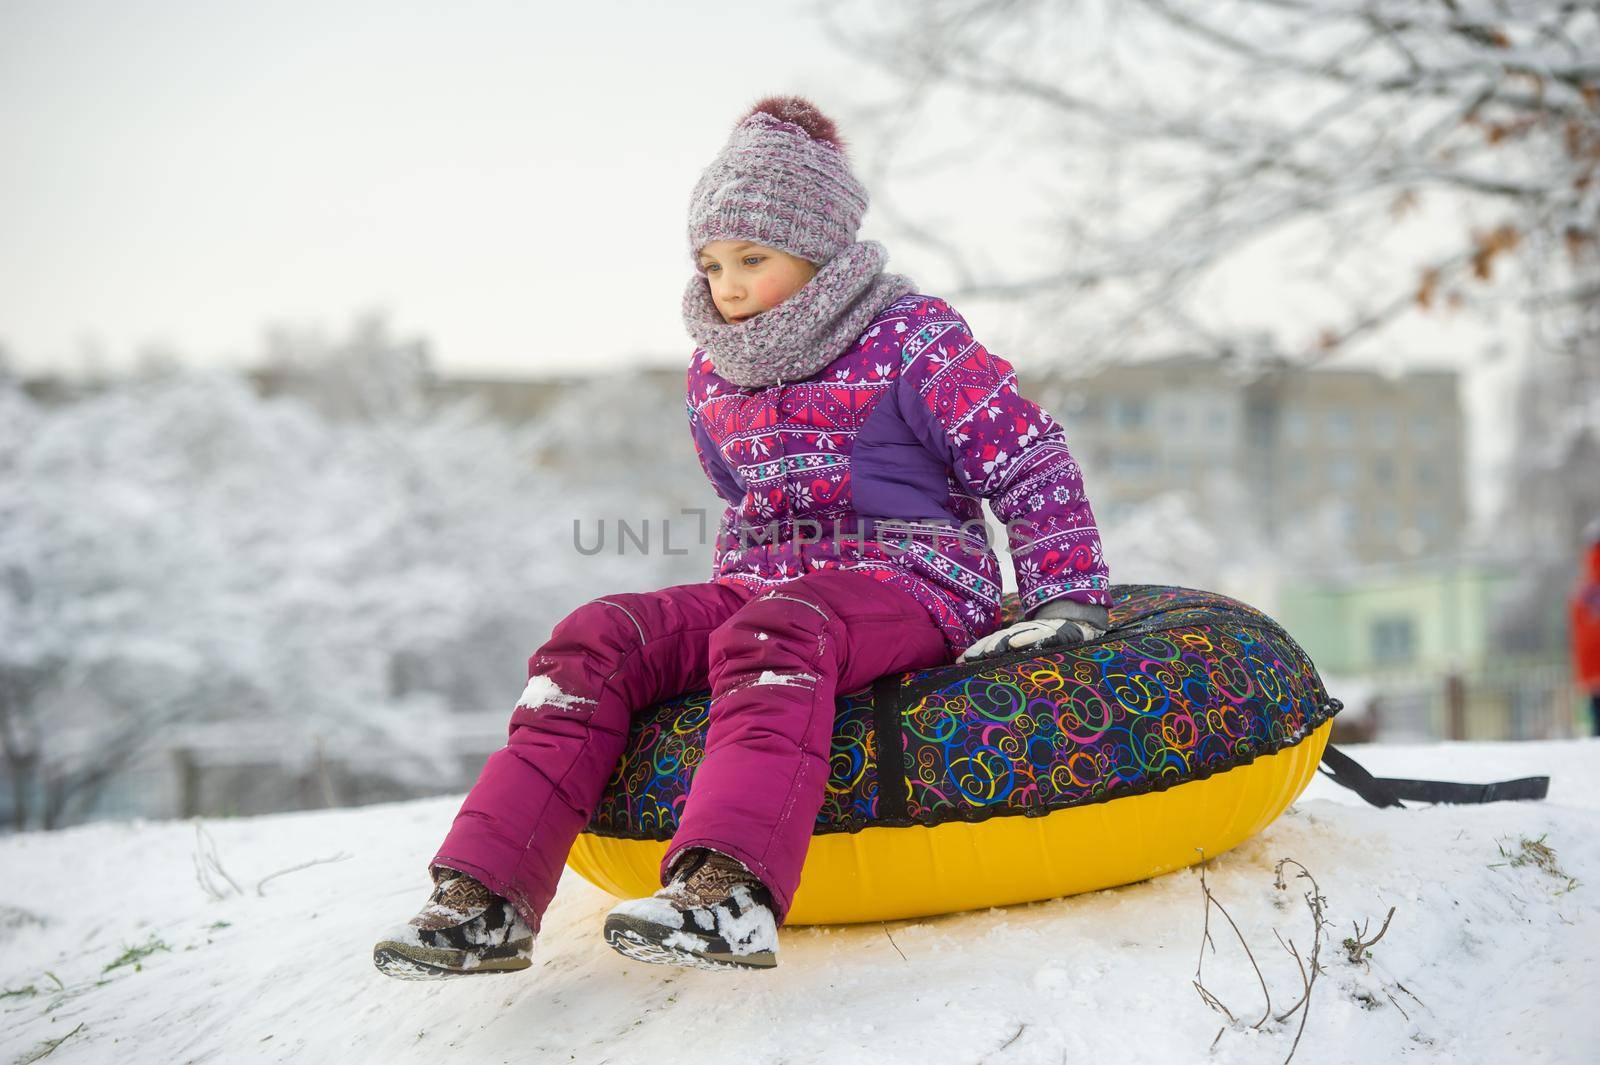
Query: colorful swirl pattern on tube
[{"x": 1186, "y": 684}]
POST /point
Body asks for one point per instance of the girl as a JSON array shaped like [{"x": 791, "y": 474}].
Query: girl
[{"x": 852, "y": 426}]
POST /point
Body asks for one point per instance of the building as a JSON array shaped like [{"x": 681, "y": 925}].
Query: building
[
  {"x": 1421, "y": 642},
  {"x": 1385, "y": 451},
  {"x": 1390, "y": 449}
]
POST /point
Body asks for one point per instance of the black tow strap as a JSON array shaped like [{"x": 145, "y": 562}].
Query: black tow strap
[
  {"x": 890, "y": 742},
  {"x": 1388, "y": 791}
]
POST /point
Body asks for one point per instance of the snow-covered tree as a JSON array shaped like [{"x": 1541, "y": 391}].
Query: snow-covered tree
[{"x": 339, "y": 564}]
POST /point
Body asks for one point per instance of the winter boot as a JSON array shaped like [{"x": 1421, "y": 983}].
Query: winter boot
[
  {"x": 713, "y": 914},
  {"x": 464, "y": 929}
]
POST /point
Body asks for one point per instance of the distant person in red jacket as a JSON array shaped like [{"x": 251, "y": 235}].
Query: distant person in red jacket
[{"x": 1586, "y": 624}]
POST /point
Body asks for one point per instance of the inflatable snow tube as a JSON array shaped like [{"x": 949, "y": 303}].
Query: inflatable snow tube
[{"x": 1183, "y": 731}]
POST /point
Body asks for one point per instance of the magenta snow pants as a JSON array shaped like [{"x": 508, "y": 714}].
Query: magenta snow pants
[{"x": 774, "y": 661}]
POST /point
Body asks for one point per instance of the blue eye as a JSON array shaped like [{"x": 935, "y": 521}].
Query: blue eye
[{"x": 748, "y": 260}]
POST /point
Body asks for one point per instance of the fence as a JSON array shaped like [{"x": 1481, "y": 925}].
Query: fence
[
  {"x": 1503, "y": 701},
  {"x": 230, "y": 769}
]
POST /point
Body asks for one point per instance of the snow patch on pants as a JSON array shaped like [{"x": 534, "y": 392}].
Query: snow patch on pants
[
  {"x": 542, "y": 691},
  {"x": 785, "y": 679}
]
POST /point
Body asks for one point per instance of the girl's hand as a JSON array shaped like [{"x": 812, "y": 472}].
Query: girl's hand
[{"x": 1038, "y": 634}]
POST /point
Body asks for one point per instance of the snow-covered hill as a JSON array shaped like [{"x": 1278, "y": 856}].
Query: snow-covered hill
[{"x": 111, "y": 950}]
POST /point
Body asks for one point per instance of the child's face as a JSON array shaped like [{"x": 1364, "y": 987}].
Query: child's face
[{"x": 748, "y": 278}]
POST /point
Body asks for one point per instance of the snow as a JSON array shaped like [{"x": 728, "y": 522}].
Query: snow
[
  {"x": 785, "y": 679},
  {"x": 656, "y": 911},
  {"x": 1489, "y": 961},
  {"x": 403, "y": 932},
  {"x": 686, "y": 941},
  {"x": 751, "y": 930},
  {"x": 542, "y": 691}
]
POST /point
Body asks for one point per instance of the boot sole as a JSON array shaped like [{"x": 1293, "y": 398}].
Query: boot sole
[
  {"x": 645, "y": 941},
  {"x": 406, "y": 961}
]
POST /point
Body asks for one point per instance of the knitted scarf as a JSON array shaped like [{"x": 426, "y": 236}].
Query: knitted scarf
[{"x": 805, "y": 332}]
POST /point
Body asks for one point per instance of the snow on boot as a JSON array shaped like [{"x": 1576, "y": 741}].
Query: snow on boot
[
  {"x": 713, "y": 914},
  {"x": 464, "y": 929}
]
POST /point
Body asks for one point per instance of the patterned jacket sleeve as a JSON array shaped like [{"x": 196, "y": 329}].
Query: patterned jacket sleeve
[
  {"x": 962, "y": 402},
  {"x": 725, "y": 537}
]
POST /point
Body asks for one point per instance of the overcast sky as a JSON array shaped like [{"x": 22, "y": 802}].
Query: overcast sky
[{"x": 509, "y": 178}]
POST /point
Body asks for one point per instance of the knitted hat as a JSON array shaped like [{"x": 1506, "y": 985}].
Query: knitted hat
[{"x": 781, "y": 180}]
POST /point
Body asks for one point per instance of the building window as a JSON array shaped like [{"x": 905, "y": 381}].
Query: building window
[
  {"x": 1295, "y": 426},
  {"x": 1388, "y": 522},
  {"x": 1424, "y": 429},
  {"x": 1341, "y": 426},
  {"x": 1383, "y": 471},
  {"x": 1342, "y": 471},
  {"x": 1385, "y": 428},
  {"x": 1131, "y": 463},
  {"x": 1394, "y": 640},
  {"x": 1127, "y": 412}
]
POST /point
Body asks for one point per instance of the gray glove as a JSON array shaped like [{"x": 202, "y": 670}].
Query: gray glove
[{"x": 1058, "y": 623}]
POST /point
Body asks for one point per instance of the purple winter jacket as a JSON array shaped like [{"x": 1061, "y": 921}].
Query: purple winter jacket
[{"x": 877, "y": 462}]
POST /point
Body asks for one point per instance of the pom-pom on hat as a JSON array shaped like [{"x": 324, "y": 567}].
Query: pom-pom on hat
[{"x": 783, "y": 180}]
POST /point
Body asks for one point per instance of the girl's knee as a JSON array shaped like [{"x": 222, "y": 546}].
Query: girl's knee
[
  {"x": 772, "y": 625},
  {"x": 607, "y": 624},
  {"x": 772, "y": 641}
]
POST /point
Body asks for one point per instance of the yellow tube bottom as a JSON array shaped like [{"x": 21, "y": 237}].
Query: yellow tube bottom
[{"x": 883, "y": 874}]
